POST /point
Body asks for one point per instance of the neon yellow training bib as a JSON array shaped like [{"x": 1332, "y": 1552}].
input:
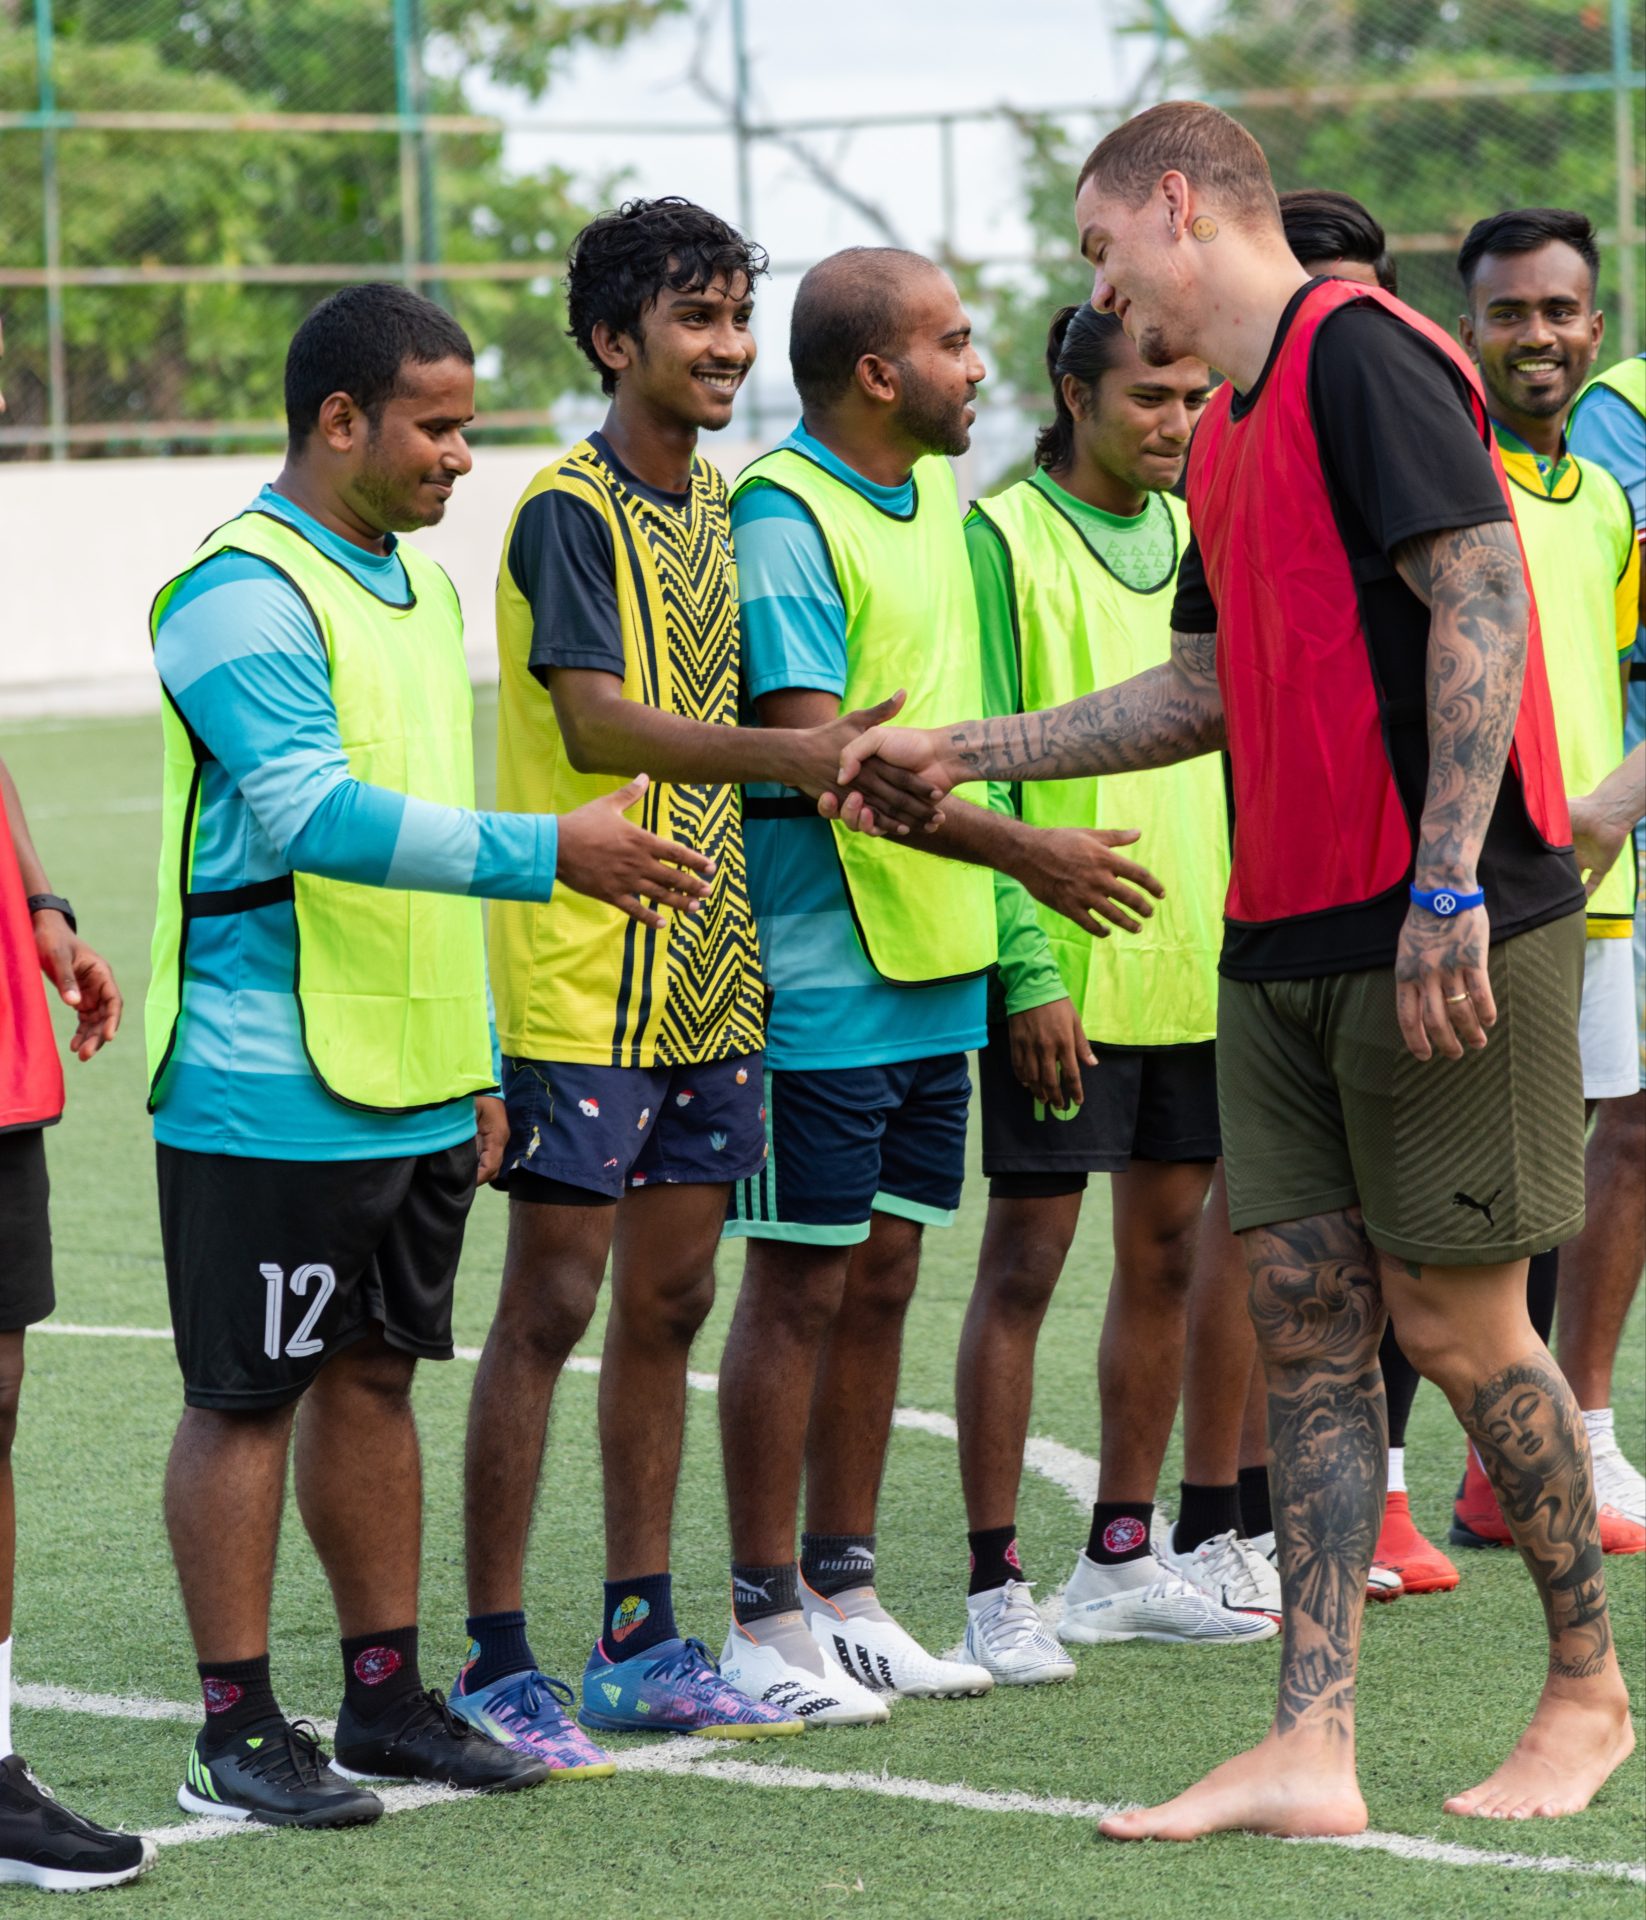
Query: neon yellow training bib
[
  {"x": 911, "y": 621},
  {"x": 390, "y": 985},
  {"x": 1080, "y": 628}
]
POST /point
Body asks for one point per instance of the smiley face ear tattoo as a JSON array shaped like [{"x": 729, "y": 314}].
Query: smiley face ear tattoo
[{"x": 1203, "y": 227}]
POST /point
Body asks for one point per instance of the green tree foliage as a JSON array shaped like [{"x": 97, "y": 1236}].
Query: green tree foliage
[
  {"x": 281, "y": 196},
  {"x": 1428, "y": 167}
]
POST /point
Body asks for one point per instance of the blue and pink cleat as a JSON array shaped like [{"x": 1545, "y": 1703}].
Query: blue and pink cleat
[
  {"x": 527, "y": 1711},
  {"x": 674, "y": 1687}
]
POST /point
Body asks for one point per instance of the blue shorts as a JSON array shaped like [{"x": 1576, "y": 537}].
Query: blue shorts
[
  {"x": 602, "y": 1129},
  {"x": 850, "y": 1141}
]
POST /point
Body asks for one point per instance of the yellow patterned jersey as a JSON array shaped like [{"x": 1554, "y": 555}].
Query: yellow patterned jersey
[{"x": 601, "y": 571}]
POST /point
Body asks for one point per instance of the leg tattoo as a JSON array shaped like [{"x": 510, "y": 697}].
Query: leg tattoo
[
  {"x": 1529, "y": 1434},
  {"x": 1318, "y": 1309}
]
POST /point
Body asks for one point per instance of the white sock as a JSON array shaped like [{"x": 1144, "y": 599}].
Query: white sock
[
  {"x": 5, "y": 1696},
  {"x": 1598, "y": 1420},
  {"x": 1397, "y": 1469}
]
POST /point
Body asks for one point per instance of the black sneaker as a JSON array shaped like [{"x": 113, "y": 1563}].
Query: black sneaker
[
  {"x": 425, "y": 1740},
  {"x": 280, "y": 1777},
  {"x": 45, "y": 1844}
]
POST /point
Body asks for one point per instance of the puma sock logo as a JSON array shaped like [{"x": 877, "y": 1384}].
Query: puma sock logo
[{"x": 1461, "y": 1199}]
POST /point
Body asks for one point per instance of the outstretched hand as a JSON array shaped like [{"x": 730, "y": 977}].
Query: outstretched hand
[
  {"x": 1076, "y": 872},
  {"x": 611, "y": 858}
]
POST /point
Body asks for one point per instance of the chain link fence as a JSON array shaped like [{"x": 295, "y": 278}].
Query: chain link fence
[{"x": 180, "y": 182}]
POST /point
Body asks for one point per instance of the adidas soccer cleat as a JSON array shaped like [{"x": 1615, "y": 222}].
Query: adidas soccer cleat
[
  {"x": 47, "y": 1845},
  {"x": 526, "y": 1712},
  {"x": 675, "y": 1687},
  {"x": 1420, "y": 1564},
  {"x": 857, "y": 1631},
  {"x": 1006, "y": 1637},
  {"x": 1232, "y": 1572},
  {"x": 777, "y": 1661},
  {"x": 425, "y": 1740},
  {"x": 279, "y": 1777},
  {"x": 1620, "y": 1494},
  {"x": 1148, "y": 1599}
]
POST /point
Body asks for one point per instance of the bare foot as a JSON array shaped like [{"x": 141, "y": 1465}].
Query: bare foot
[
  {"x": 1562, "y": 1760},
  {"x": 1279, "y": 1786}
]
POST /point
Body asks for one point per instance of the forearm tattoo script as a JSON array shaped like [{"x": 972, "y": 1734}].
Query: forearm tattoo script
[{"x": 1173, "y": 712}]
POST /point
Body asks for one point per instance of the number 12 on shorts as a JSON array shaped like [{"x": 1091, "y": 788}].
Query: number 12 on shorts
[{"x": 303, "y": 1344}]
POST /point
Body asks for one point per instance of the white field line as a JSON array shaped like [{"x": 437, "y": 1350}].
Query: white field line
[
  {"x": 1074, "y": 1472},
  {"x": 698, "y": 1759}
]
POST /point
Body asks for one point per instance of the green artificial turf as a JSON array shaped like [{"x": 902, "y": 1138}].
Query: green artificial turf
[{"x": 1446, "y": 1683}]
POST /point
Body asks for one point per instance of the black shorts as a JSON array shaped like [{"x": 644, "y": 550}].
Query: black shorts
[
  {"x": 274, "y": 1265},
  {"x": 26, "y": 1291},
  {"x": 1142, "y": 1103}
]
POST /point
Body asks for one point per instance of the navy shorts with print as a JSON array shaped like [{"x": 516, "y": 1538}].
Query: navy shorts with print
[
  {"x": 850, "y": 1141},
  {"x": 601, "y": 1129}
]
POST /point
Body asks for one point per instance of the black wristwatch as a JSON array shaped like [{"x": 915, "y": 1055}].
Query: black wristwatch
[{"x": 53, "y": 903}]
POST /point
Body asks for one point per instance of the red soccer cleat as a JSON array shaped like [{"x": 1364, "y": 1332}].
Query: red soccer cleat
[
  {"x": 1477, "y": 1520},
  {"x": 1422, "y": 1567}
]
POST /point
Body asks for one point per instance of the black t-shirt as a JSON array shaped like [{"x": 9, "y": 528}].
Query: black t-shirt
[
  {"x": 1402, "y": 456},
  {"x": 561, "y": 558}
]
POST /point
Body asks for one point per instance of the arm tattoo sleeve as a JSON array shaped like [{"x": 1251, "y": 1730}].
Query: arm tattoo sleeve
[
  {"x": 1172, "y": 712},
  {"x": 1472, "y": 581}
]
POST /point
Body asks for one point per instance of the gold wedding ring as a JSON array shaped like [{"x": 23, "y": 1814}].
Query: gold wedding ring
[{"x": 1453, "y": 998}]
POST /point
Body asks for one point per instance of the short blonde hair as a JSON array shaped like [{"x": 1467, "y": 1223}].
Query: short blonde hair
[{"x": 1211, "y": 151}]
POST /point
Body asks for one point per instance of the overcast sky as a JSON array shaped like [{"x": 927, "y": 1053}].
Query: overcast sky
[{"x": 827, "y": 58}]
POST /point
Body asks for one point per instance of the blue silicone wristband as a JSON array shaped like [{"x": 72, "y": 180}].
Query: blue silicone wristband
[{"x": 1445, "y": 901}]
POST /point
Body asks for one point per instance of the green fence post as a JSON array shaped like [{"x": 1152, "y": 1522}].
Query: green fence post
[
  {"x": 1623, "y": 118},
  {"x": 405, "y": 105},
  {"x": 57, "y": 368}
]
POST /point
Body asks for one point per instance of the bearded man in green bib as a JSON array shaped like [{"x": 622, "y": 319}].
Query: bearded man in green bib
[{"x": 852, "y": 570}]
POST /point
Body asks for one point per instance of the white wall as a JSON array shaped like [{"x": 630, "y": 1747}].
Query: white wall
[{"x": 85, "y": 544}]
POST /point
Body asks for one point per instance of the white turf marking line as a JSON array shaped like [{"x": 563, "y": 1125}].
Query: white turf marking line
[
  {"x": 698, "y": 1758},
  {"x": 1074, "y": 1472}
]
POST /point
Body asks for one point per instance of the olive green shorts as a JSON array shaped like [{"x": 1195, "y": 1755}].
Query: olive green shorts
[{"x": 1452, "y": 1162}]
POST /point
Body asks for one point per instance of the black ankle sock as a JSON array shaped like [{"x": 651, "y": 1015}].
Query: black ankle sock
[
  {"x": 639, "y": 1615},
  {"x": 995, "y": 1558},
  {"x": 832, "y": 1562},
  {"x": 1120, "y": 1531},
  {"x": 1205, "y": 1512},
  {"x": 1256, "y": 1515},
  {"x": 380, "y": 1671},
  {"x": 758, "y": 1592},
  {"x": 238, "y": 1696},
  {"x": 497, "y": 1647}
]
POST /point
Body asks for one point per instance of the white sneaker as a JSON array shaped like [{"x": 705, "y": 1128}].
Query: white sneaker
[
  {"x": 779, "y": 1662},
  {"x": 1145, "y": 1599},
  {"x": 858, "y": 1631},
  {"x": 1382, "y": 1583},
  {"x": 1006, "y": 1636},
  {"x": 1618, "y": 1485},
  {"x": 1233, "y": 1571}
]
